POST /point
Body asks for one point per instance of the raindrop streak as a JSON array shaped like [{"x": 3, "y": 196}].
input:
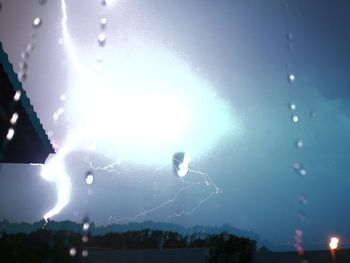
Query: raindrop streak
[
  {"x": 72, "y": 252},
  {"x": 299, "y": 169},
  {"x": 22, "y": 76},
  {"x": 103, "y": 23},
  {"x": 289, "y": 36},
  {"x": 25, "y": 55},
  {"x": 84, "y": 239},
  {"x": 37, "y": 23},
  {"x": 303, "y": 199},
  {"x": 23, "y": 65},
  {"x": 86, "y": 227},
  {"x": 89, "y": 177},
  {"x": 99, "y": 57},
  {"x": 291, "y": 78},
  {"x": 10, "y": 134},
  {"x": 102, "y": 39},
  {"x": 292, "y": 106},
  {"x": 17, "y": 96},
  {"x": 299, "y": 144},
  {"x": 295, "y": 118},
  {"x": 30, "y": 47},
  {"x": 14, "y": 118},
  {"x": 0, "y": 6},
  {"x": 301, "y": 215}
]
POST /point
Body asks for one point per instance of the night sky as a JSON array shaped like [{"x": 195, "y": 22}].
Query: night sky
[{"x": 207, "y": 77}]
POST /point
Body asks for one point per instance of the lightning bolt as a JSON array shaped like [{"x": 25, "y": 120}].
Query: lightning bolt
[{"x": 55, "y": 170}]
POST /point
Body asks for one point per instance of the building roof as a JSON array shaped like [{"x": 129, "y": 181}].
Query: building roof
[{"x": 29, "y": 143}]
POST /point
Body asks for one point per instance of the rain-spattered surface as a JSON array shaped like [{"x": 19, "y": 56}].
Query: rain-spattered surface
[{"x": 279, "y": 69}]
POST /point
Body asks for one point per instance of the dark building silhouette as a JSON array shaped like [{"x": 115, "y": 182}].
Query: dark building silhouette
[{"x": 22, "y": 136}]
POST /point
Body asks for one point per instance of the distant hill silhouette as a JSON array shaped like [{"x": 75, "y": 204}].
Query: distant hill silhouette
[{"x": 48, "y": 244}]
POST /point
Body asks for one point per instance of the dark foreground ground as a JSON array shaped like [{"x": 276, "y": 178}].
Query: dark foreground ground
[{"x": 341, "y": 256}]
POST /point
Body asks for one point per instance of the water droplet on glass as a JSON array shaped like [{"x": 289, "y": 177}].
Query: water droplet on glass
[
  {"x": 303, "y": 199},
  {"x": 30, "y": 47},
  {"x": 63, "y": 97},
  {"x": 17, "y": 96},
  {"x": 14, "y": 118},
  {"x": 299, "y": 144},
  {"x": 291, "y": 78},
  {"x": 72, "y": 252},
  {"x": 42, "y": 2},
  {"x": 23, "y": 65},
  {"x": 99, "y": 57},
  {"x": 37, "y": 23},
  {"x": 292, "y": 106},
  {"x": 22, "y": 76},
  {"x": 299, "y": 169},
  {"x": 0, "y": 6},
  {"x": 10, "y": 134},
  {"x": 50, "y": 134},
  {"x": 89, "y": 177},
  {"x": 102, "y": 39},
  {"x": 84, "y": 253},
  {"x": 289, "y": 36},
  {"x": 24, "y": 55},
  {"x": 103, "y": 22},
  {"x": 295, "y": 118},
  {"x": 106, "y": 2}
]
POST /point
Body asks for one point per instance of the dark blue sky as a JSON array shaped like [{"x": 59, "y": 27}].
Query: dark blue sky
[{"x": 244, "y": 54}]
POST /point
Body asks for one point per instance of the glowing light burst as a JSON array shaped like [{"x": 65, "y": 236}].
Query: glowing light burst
[
  {"x": 147, "y": 105},
  {"x": 333, "y": 243}
]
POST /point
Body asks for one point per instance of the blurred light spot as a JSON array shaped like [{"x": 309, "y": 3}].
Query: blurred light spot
[
  {"x": 303, "y": 199},
  {"x": 99, "y": 57},
  {"x": 72, "y": 252},
  {"x": 181, "y": 161},
  {"x": 17, "y": 95},
  {"x": 89, "y": 177},
  {"x": 23, "y": 65},
  {"x": 10, "y": 134},
  {"x": 84, "y": 253},
  {"x": 37, "y": 23},
  {"x": 291, "y": 78},
  {"x": 86, "y": 227},
  {"x": 299, "y": 169},
  {"x": 50, "y": 134},
  {"x": 30, "y": 47},
  {"x": 24, "y": 55},
  {"x": 102, "y": 39},
  {"x": 301, "y": 215},
  {"x": 292, "y": 106},
  {"x": 107, "y": 2},
  {"x": 63, "y": 97},
  {"x": 299, "y": 144},
  {"x": 14, "y": 118},
  {"x": 295, "y": 118},
  {"x": 103, "y": 22},
  {"x": 333, "y": 244},
  {"x": 84, "y": 239},
  {"x": 22, "y": 76},
  {"x": 289, "y": 36}
]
